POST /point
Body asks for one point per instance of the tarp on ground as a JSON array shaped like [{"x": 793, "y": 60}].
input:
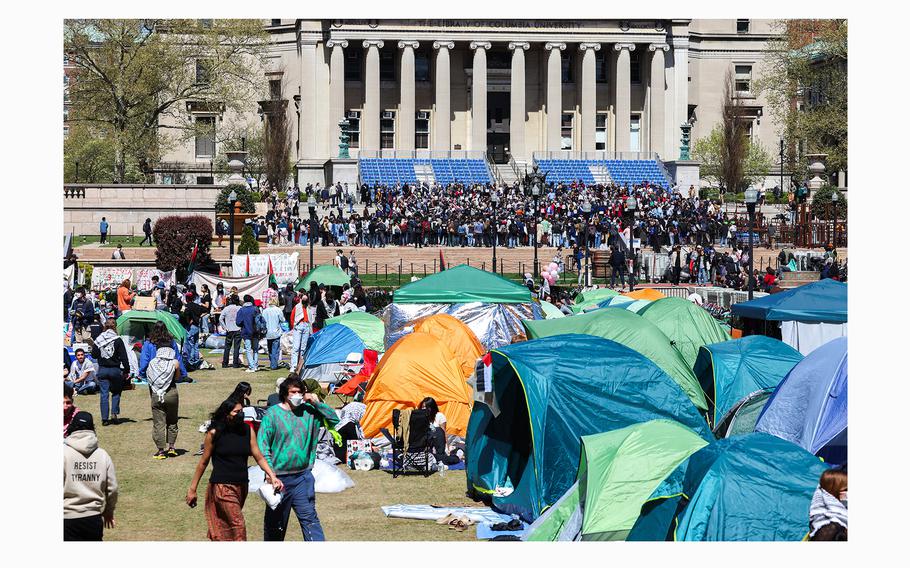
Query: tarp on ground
[
  {"x": 550, "y": 311},
  {"x": 730, "y": 371},
  {"x": 332, "y": 344},
  {"x": 809, "y": 407},
  {"x": 687, "y": 325},
  {"x": 822, "y": 301},
  {"x": 548, "y": 393},
  {"x": 755, "y": 487},
  {"x": 252, "y": 285},
  {"x": 645, "y": 294},
  {"x": 368, "y": 328},
  {"x": 634, "y": 332},
  {"x": 138, "y": 323},
  {"x": 417, "y": 366},
  {"x": 461, "y": 284},
  {"x": 619, "y": 471},
  {"x": 325, "y": 274},
  {"x": 456, "y": 336}
]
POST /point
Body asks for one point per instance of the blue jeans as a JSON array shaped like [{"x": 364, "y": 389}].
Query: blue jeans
[
  {"x": 274, "y": 352},
  {"x": 204, "y": 320},
  {"x": 111, "y": 382},
  {"x": 299, "y": 494},
  {"x": 252, "y": 355},
  {"x": 191, "y": 347},
  {"x": 299, "y": 341}
]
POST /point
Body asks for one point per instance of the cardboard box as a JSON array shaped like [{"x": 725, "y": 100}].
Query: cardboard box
[{"x": 144, "y": 303}]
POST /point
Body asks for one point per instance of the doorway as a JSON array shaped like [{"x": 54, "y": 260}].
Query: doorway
[{"x": 498, "y": 117}]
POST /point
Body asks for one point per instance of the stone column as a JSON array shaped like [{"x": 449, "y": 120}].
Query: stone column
[
  {"x": 517, "y": 122},
  {"x": 479, "y": 96},
  {"x": 656, "y": 119},
  {"x": 369, "y": 122},
  {"x": 336, "y": 91},
  {"x": 308, "y": 101},
  {"x": 680, "y": 102},
  {"x": 554, "y": 95},
  {"x": 588, "y": 96},
  {"x": 623, "y": 84},
  {"x": 407, "y": 110},
  {"x": 442, "y": 122}
]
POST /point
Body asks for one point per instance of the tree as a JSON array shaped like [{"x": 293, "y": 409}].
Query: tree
[
  {"x": 248, "y": 242},
  {"x": 707, "y": 150},
  {"x": 277, "y": 141},
  {"x": 244, "y": 198},
  {"x": 248, "y": 137},
  {"x": 805, "y": 83},
  {"x": 175, "y": 238},
  {"x": 821, "y": 204},
  {"x": 138, "y": 78}
]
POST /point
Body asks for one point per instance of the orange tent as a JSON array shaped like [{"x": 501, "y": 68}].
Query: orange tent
[
  {"x": 456, "y": 336},
  {"x": 645, "y": 294},
  {"x": 418, "y": 365}
]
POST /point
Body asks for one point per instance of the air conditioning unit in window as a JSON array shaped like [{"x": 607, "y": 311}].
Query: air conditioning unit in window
[
  {"x": 423, "y": 115},
  {"x": 388, "y": 114},
  {"x": 353, "y": 114}
]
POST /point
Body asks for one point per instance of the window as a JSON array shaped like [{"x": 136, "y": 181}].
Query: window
[
  {"x": 66, "y": 131},
  {"x": 354, "y": 128},
  {"x": 66, "y": 79},
  {"x": 635, "y": 67},
  {"x": 568, "y": 64},
  {"x": 422, "y": 131},
  {"x": 600, "y": 131},
  {"x": 205, "y": 136},
  {"x": 203, "y": 71},
  {"x": 600, "y": 66},
  {"x": 276, "y": 22},
  {"x": 386, "y": 65},
  {"x": 352, "y": 65},
  {"x": 749, "y": 126},
  {"x": 742, "y": 26},
  {"x": 275, "y": 89},
  {"x": 207, "y": 24},
  {"x": 421, "y": 66},
  {"x": 66, "y": 59},
  {"x": 567, "y": 119},
  {"x": 387, "y": 130},
  {"x": 66, "y": 113},
  {"x": 743, "y": 79},
  {"x": 635, "y": 133},
  {"x": 66, "y": 95}
]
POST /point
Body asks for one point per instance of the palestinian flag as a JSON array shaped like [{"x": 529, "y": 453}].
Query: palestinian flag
[
  {"x": 247, "y": 272},
  {"x": 485, "y": 381},
  {"x": 272, "y": 279},
  {"x": 192, "y": 264},
  {"x": 442, "y": 261}
]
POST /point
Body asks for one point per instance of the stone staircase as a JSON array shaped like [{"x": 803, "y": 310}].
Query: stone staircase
[
  {"x": 600, "y": 173},
  {"x": 505, "y": 173},
  {"x": 424, "y": 172},
  {"x": 798, "y": 278}
]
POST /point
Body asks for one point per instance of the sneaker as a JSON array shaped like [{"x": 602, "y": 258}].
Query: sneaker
[
  {"x": 105, "y": 422},
  {"x": 251, "y": 370},
  {"x": 160, "y": 455},
  {"x": 171, "y": 453}
]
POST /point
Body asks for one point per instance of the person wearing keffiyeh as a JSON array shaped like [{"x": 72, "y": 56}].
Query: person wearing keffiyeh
[
  {"x": 113, "y": 365},
  {"x": 829, "y": 506}
]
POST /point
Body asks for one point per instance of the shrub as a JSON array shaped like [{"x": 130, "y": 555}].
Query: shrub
[
  {"x": 248, "y": 242},
  {"x": 257, "y": 196},
  {"x": 244, "y": 198},
  {"x": 175, "y": 238},
  {"x": 821, "y": 203}
]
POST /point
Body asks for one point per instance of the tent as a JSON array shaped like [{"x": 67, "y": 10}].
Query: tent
[
  {"x": 138, "y": 323},
  {"x": 754, "y": 487},
  {"x": 325, "y": 274},
  {"x": 810, "y": 315},
  {"x": 741, "y": 418},
  {"x": 591, "y": 298},
  {"x": 550, "y": 311},
  {"x": 619, "y": 471},
  {"x": 645, "y": 294},
  {"x": 461, "y": 284},
  {"x": 687, "y": 325},
  {"x": 417, "y": 366},
  {"x": 456, "y": 336},
  {"x": 632, "y": 331},
  {"x": 623, "y": 302},
  {"x": 809, "y": 407},
  {"x": 327, "y": 349},
  {"x": 368, "y": 328},
  {"x": 523, "y": 449},
  {"x": 731, "y": 371}
]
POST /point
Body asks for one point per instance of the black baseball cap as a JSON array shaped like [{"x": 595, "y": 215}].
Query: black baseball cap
[{"x": 82, "y": 420}]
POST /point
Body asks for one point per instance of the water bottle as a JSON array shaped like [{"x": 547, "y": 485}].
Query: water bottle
[{"x": 442, "y": 469}]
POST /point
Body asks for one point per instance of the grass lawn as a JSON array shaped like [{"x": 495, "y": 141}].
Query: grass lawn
[
  {"x": 151, "y": 505},
  {"x": 392, "y": 279},
  {"x": 111, "y": 242}
]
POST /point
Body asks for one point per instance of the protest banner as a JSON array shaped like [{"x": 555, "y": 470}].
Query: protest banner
[
  {"x": 284, "y": 266},
  {"x": 105, "y": 277},
  {"x": 252, "y": 285}
]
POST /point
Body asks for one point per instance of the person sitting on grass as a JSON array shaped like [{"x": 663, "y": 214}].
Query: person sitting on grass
[
  {"x": 438, "y": 433},
  {"x": 228, "y": 443},
  {"x": 82, "y": 374}
]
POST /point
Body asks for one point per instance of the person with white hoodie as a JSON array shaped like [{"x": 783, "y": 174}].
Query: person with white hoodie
[{"x": 89, "y": 483}]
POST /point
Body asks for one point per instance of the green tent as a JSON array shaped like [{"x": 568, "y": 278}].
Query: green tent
[
  {"x": 591, "y": 298},
  {"x": 138, "y": 323},
  {"x": 624, "y": 302},
  {"x": 550, "y": 311},
  {"x": 687, "y": 325},
  {"x": 632, "y": 331},
  {"x": 546, "y": 394},
  {"x": 368, "y": 328},
  {"x": 619, "y": 470},
  {"x": 325, "y": 274},
  {"x": 462, "y": 284}
]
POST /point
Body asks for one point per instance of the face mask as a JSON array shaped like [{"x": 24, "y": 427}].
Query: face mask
[{"x": 295, "y": 400}]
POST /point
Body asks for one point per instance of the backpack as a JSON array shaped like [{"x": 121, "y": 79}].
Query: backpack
[
  {"x": 344, "y": 262},
  {"x": 259, "y": 324}
]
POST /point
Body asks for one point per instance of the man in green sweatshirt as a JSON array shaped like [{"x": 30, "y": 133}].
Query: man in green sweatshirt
[
  {"x": 89, "y": 482},
  {"x": 287, "y": 437}
]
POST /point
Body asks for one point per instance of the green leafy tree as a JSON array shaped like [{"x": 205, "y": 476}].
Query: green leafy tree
[
  {"x": 136, "y": 81},
  {"x": 757, "y": 163},
  {"x": 821, "y": 204},
  {"x": 244, "y": 198},
  {"x": 248, "y": 242}
]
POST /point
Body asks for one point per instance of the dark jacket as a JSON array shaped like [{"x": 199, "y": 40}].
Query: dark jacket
[
  {"x": 118, "y": 360},
  {"x": 246, "y": 321},
  {"x": 617, "y": 258}
]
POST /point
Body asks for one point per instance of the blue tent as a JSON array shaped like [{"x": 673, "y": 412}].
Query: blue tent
[
  {"x": 332, "y": 344},
  {"x": 753, "y": 487},
  {"x": 730, "y": 371},
  {"x": 822, "y": 301},
  {"x": 809, "y": 407}
]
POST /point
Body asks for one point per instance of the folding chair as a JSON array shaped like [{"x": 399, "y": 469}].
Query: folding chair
[
  {"x": 419, "y": 445},
  {"x": 356, "y": 385},
  {"x": 352, "y": 363}
]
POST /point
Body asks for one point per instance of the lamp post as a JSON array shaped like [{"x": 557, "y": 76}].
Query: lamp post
[
  {"x": 77, "y": 171},
  {"x": 751, "y": 198},
  {"x": 631, "y": 206},
  {"x": 834, "y": 198},
  {"x": 232, "y": 200},
  {"x": 782, "y": 164},
  {"x": 494, "y": 199},
  {"x": 311, "y": 205},
  {"x": 586, "y": 209}
]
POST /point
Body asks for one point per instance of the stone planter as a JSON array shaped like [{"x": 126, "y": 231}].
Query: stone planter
[{"x": 816, "y": 168}]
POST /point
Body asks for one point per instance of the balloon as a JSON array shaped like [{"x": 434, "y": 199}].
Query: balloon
[
  {"x": 551, "y": 280},
  {"x": 552, "y": 266},
  {"x": 545, "y": 274}
]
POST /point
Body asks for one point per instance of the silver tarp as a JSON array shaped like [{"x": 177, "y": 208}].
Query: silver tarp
[{"x": 494, "y": 325}]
